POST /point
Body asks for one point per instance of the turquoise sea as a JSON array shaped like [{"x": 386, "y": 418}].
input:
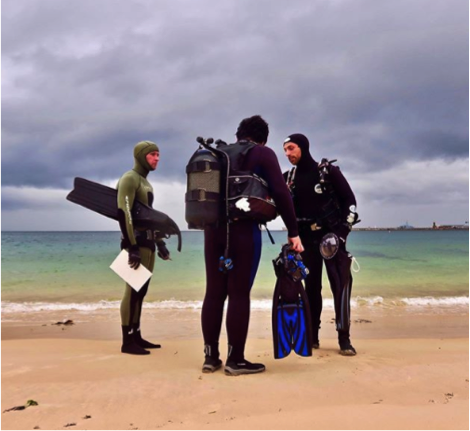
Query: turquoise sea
[{"x": 65, "y": 270}]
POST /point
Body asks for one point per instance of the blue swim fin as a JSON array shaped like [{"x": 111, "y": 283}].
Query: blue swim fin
[{"x": 292, "y": 329}]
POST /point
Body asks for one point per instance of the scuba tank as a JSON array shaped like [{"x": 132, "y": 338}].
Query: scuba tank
[
  {"x": 206, "y": 205},
  {"x": 203, "y": 190}
]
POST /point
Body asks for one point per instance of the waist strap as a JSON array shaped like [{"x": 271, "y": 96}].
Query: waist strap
[{"x": 145, "y": 238}]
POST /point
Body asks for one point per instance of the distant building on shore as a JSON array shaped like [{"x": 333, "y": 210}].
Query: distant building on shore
[
  {"x": 435, "y": 226},
  {"x": 405, "y": 226}
]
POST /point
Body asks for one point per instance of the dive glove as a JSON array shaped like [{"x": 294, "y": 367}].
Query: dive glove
[
  {"x": 134, "y": 256},
  {"x": 163, "y": 252}
]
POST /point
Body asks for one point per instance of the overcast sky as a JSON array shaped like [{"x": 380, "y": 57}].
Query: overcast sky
[{"x": 380, "y": 85}]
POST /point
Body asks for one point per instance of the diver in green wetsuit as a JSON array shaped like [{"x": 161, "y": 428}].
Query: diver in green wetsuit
[{"x": 139, "y": 243}]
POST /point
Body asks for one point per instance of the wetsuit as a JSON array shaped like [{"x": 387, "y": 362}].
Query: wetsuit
[
  {"x": 309, "y": 203},
  {"x": 245, "y": 251},
  {"x": 131, "y": 186}
]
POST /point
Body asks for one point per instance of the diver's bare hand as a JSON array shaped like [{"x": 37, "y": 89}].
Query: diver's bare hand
[{"x": 296, "y": 244}]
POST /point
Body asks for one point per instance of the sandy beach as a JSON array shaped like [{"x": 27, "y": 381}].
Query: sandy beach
[{"x": 411, "y": 372}]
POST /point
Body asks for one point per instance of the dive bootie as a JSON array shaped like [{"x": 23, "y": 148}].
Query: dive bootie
[
  {"x": 128, "y": 343},
  {"x": 237, "y": 368},
  {"x": 315, "y": 339},
  {"x": 141, "y": 342},
  {"x": 345, "y": 346},
  {"x": 211, "y": 361}
]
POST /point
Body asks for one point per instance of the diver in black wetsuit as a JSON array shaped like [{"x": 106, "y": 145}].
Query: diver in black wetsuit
[
  {"x": 245, "y": 251},
  {"x": 324, "y": 204}
]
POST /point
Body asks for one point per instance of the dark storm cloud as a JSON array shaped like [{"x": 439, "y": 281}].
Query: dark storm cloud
[
  {"x": 372, "y": 83},
  {"x": 30, "y": 198}
]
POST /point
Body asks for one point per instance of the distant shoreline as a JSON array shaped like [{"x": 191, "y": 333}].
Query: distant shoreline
[
  {"x": 408, "y": 229},
  {"x": 399, "y": 229},
  {"x": 271, "y": 230}
]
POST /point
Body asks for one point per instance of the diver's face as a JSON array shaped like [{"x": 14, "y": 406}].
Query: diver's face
[
  {"x": 292, "y": 152},
  {"x": 152, "y": 159}
]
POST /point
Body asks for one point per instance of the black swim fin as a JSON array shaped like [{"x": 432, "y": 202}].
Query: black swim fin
[
  {"x": 103, "y": 200},
  {"x": 338, "y": 270},
  {"x": 292, "y": 328}
]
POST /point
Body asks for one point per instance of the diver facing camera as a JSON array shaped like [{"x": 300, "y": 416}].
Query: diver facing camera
[{"x": 325, "y": 208}]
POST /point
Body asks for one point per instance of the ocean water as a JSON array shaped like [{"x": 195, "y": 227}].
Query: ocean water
[{"x": 70, "y": 270}]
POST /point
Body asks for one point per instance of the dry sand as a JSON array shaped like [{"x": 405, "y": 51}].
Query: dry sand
[{"x": 409, "y": 374}]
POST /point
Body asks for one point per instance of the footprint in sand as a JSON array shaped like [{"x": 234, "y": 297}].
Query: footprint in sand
[{"x": 448, "y": 397}]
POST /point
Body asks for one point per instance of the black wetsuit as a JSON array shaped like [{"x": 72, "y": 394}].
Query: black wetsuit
[
  {"x": 245, "y": 251},
  {"x": 309, "y": 204}
]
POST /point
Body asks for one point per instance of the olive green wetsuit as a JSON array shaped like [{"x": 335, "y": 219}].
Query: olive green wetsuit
[{"x": 131, "y": 186}]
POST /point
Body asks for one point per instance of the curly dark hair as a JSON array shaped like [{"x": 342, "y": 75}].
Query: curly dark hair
[{"x": 253, "y": 128}]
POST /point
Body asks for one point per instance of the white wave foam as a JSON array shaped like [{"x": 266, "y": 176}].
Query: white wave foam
[
  {"x": 256, "y": 304},
  {"x": 26, "y": 307},
  {"x": 173, "y": 304},
  {"x": 429, "y": 300},
  {"x": 360, "y": 301}
]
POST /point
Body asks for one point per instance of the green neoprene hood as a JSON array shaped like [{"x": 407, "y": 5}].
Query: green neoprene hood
[{"x": 140, "y": 152}]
